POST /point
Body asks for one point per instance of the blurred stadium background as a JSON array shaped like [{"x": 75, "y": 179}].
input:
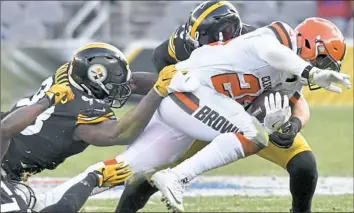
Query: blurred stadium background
[{"x": 37, "y": 37}]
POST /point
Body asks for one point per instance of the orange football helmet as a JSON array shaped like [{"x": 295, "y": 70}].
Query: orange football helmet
[{"x": 321, "y": 43}]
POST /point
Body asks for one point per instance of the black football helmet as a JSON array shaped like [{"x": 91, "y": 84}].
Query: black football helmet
[
  {"x": 210, "y": 22},
  {"x": 102, "y": 71}
]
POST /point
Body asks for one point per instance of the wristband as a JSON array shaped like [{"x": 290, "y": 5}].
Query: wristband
[{"x": 296, "y": 123}]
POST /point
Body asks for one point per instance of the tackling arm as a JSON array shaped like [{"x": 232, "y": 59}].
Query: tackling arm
[
  {"x": 142, "y": 82},
  {"x": 123, "y": 131},
  {"x": 18, "y": 120},
  {"x": 301, "y": 111},
  {"x": 279, "y": 56}
]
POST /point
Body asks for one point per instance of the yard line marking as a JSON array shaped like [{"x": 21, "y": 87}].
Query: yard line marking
[{"x": 226, "y": 186}]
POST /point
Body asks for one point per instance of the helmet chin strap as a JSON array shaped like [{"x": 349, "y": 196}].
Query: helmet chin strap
[{"x": 103, "y": 87}]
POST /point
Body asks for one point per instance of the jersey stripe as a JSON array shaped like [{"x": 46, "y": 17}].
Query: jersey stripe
[
  {"x": 83, "y": 119},
  {"x": 187, "y": 101},
  {"x": 61, "y": 75},
  {"x": 294, "y": 99},
  {"x": 203, "y": 15},
  {"x": 171, "y": 47},
  {"x": 98, "y": 45},
  {"x": 281, "y": 34}
]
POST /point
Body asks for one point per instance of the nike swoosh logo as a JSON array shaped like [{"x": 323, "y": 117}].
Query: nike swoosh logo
[
  {"x": 275, "y": 124},
  {"x": 100, "y": 110},
  {"x": 177, "y": 201}
]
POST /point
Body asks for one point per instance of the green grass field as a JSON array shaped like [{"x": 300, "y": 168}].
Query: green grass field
[
  {"x": 330, "y": 134},
  {"x": 322, "y": 203}
]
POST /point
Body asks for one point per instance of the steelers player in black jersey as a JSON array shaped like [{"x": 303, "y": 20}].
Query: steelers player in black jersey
[
  {"x": 211, "y": 21},
  {"x": 100, "y": 79},
  {"x": 18, "y": 197}
]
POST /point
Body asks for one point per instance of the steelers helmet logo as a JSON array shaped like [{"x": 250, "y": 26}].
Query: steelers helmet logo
[{"x": 97, "y": 72}]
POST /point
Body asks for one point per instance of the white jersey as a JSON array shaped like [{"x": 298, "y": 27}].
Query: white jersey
[{"x": 244, "y": 67}]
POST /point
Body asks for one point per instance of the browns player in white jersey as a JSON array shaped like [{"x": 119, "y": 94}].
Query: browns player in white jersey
[{"x": 240, "y": 70}]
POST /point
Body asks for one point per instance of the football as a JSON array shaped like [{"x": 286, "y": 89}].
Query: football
[{"x": 257, "y": 108}]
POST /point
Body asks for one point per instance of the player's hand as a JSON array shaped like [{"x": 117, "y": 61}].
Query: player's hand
[
  {"x": 164, "y": 80},
  {"x": 326, "y": 79},
  {"x": 59, "y": 93},
  {"x": 284, "y": 138},
  {"x": 112, "y": 175},
  {"x": 277, "y": 111}
]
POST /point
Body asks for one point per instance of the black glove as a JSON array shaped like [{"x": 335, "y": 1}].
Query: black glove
[{"x": 284, "y": 138}]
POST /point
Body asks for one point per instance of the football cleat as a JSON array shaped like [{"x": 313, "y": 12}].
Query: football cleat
[{"x": 171, "y": 188}]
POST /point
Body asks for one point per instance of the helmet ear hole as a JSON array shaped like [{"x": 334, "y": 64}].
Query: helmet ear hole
[{"x": 307, "y": 44}]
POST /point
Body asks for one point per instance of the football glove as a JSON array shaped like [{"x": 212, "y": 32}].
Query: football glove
[
  {"x": 326, "y": 79},
  {"x": 164, "y": 80},
  {"x": 277, "y": 113},
  {"x": 59, "y": 93},
  {"x": 284, "y": 138},
  {"x": 112, "y": 175}
]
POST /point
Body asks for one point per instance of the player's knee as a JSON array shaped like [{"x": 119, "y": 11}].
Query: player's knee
[{"x": 303, "y": 165}]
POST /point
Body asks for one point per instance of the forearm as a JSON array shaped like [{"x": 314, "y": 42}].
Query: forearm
[
  {"x": 301, "y": 111},
  {"x": 75, "y": 197},
  {"x": 135, "y": 121},
  {"x": 143, "y": 82},
  {"x": 123, "y": 131},
  {"x": 284, "y": 59},
  {"x": 18, "y": 120},
  {"x": 281, "y": 57}
]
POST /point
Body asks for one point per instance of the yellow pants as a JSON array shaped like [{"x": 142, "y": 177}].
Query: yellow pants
[{"x": 272, "y": 153}]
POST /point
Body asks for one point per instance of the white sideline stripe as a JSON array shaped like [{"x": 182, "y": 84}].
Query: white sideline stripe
[{"x": 228, "y": 186}]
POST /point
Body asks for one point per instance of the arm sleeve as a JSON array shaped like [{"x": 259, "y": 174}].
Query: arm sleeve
[
  {"x": 161, "y": 57},
  {"x": 278, "y": 56},
  {"x": 75, "y": 197}
]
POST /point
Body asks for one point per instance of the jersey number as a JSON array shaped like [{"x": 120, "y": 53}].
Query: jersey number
[
  {"x": 37, "y": 126},
  {"x": 9, "y": 207},
  {"x": 241, "y": 87}
]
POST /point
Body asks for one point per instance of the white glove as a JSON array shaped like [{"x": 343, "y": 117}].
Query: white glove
[
  {"x": 277, "y": 113},
  {"x": 326, "y": 78}
]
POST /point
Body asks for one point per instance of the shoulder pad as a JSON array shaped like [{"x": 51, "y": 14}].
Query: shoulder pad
[
  {"x": 61, "y": 75},
  {"x": 95, "y": 115},
  {"x": 85, "y": 109},
  {"x": 171, "y": 43},
  {"x": 176, "y": 47},
  {"x": 284, "y": 33}
]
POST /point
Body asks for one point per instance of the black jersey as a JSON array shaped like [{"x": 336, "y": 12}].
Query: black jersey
[
  {"x": 49, "y": 140},
  {"x": 174, "y": 50}
]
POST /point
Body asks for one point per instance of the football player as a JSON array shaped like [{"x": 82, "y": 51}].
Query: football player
[
  {"x": 100, "y": 78},
  {"x": 18, "y": 197},
  {"x": 212, "y": 19},
  {"x": 267, "y": 58},
  {"x": 209, "y": 22}
]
